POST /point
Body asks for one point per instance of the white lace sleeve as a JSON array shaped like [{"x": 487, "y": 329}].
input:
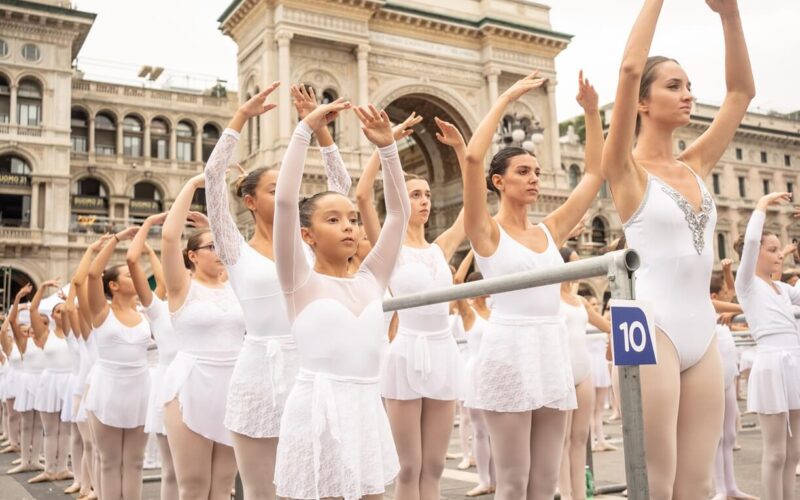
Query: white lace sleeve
[
  {"x": 338, "y": 178},
  {"x": 227, "y": 238}
]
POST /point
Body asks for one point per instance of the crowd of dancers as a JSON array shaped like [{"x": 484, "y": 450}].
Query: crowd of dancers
[{"x": 276, "y": 360}]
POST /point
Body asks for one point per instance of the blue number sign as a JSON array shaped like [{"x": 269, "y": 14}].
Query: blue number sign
[{"x": 632, "y": 333}]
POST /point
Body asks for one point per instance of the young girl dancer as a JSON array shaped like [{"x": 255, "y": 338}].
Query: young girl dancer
[
  {"x": 116, "y": 400},
  {"x": 421, "y": 377},
  {"x": 31, "y": 369},
  {"x": 157, "y": 313},
  {"x": 669, "y": 217},
  {"x": 268, "y": 364},
  {"x": 774, "y": 387},
  {"x": 53, "y": 387},
  {"x": 335, "y": 438},
  {"x": 209, "y": 325},
  {"x": 11, "y": 383},
  {"x": 577, "y": 313},
  {"x": 524, "y": 380}
]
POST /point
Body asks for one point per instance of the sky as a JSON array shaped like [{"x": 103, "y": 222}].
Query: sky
[{"x": 183, "y": 37}]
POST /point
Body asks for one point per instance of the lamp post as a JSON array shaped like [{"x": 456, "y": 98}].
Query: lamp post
[{"x": 516, "y": 132}]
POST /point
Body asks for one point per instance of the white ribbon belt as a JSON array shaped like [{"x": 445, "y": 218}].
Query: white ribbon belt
[
  {"x": 275, "y": 345},
  {"x": 422, "y": 350},
  {"x": 121, "y": 368}
]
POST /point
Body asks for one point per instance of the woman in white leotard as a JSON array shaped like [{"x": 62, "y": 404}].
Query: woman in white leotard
[
  {"x": 119, "y": 385},
  {"x": 14, "y": 362},
  {"x": 773, "y": 391},
  {"x": 267, "y": 366},
  {"x": 335, "y": 437},
  {"x": 525, "y": 382},
  {"x": 601, "y": 379},
  {"x": 420, "y": 379},
  {"x": 210, "y": 326},
  {"x": 669, "y": 216},
  {"x": 30, "y": 370},
  {"x": 577, "y": 314},
  {"x": 156, "y": 311},
  {"x": 53, "y": 387}
]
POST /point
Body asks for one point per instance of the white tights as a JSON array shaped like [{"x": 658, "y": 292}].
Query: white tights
[
  {"x": 56, "y": 442},
  {"x": 601, "y": 394},
  {"x": 464, "y": 430},
  {"x": 87, "y": 471},
  {"x": 573, "y": 460},
  {"x": 169, "y": 484},
  {"x": 14, "y": 422},
  {"x": 256, "y": 460},
  {"x": 780, "y": 454},
  {"x": 481, "y": 448},
  {"x": 31, "y": 437},
  {"x": 724, "y": 478},
  {"x": 121, "y": 454}
]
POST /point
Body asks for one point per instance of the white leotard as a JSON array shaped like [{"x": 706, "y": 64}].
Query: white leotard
[
  {"x": 676, "y": 247},
  {"x": 577, "y": 318},
  {"x": 55, "y": 378},
  {"x": 33, "y": 364}
]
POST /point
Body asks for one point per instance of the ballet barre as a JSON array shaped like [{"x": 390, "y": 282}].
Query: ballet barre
[{"x": 619, "y": 267}]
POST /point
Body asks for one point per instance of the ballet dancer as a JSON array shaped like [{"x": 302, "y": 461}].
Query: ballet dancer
[
  {"x": 524, "y": 379},
  {"x": 335, "y": 438}
]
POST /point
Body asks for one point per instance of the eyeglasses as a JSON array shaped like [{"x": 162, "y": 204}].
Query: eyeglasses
[{"x": 210, "y": 247}]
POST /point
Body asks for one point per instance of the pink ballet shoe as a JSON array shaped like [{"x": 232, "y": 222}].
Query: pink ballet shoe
[
  {"x": 736, "y": 446},
  {"x": 64, "y": 475},
  {"x": 72, "y": 489},
  {"x": 10, "y": 449},
  {"x": 465, "y": 464},
  {"x": 453, "y": 456},
  {"x": 738, "y": 495},
  {"x": 600, "y": 447},
  {"x": 16, "y": 461},
  {"x": 44, "y": 477},
  {"x": 480, "y": 491},
  {"x": 22, "y": 468}
]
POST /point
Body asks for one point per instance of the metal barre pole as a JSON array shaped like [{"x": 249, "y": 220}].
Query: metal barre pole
[{"x": 587, "y": 268}]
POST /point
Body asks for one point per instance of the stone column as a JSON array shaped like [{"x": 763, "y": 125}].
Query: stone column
[
  {"x": 492, "y": 77},
  {"x": 120, "y": 151},
  {"x": 551, "y": 131},
  {"x": 91, "y": 137},
  {"x": 146, "y": 143},
  {"x": 173, "y": 144},
  {"x": 35, "y": 204},
  {"x": 198, "y": 145},
  {"x": 362, "y": 57},
  {"x": 285, "y": 76},
  {"x": 12, "y": 113}
]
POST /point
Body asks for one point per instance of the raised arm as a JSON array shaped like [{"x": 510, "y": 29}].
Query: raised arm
[
  {"x": 452, "y": 237},
  {"x": 596, "y": 318},
  {"x": 75, "y": 323},
  {"x": 13, "y": 319},
  {"x": 464, "y": 310},
  {"x": 382, "y": 258},
  {"x": 176, "y": 278},
  {"x": 158, "y": 272},
  {"x": 563, "y": 220},
  {"x": 98, "y": 303},
  {"x": 727, "y": 274},
  {"x": 134, "y": 255},
  {"x": 365, "y": 189},
  {"x": 480, "y": 229},
  {"x": 6, "y": 342},
  {"x": 704, "y": 153},
  {"x": 40, "y": 329},
  {"x": 618, "y": 166},
  {"x": 752, "y": 241},
  {"x": 339, "y": 181}
]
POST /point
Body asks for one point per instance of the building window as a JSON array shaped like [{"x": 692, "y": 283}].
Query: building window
[
  {"x": 90, "y": 206},
  {"x": 5, "y": 100},
  {"x": 132, "y": 132},
  {"x": 15, "y": 202},
  {"x": 185, "y": 133},
  {"x": 199, "y": 201},
  {"x": 742, "y": 190},
  {"x": 3, "y": 48},
  {"x": 738, "y": 153},
  {"x": 210, "y": 138},
  {"x": 574, "y": 176},
  {"x": 790, "y": 187},
  {"x": 105, "y": 134},
  {"x": 31, "y": 52},
  {"x": 787, "y": 160},
  {"x": 250, "y": 125},
  {"x": 765, "y": 185},
  {"x": 257, "y": 119},
  {"x": 763, "y": 157},
  {"x": 721, "y": 250},
  {"x": 159, "y": 139},
  {"x": 29, "y": 103},
  {"x": 599, "y": 231},
  {"x": 682, "y": 145},
  {"x": 328, "y": 96},
  {"x": 146, "y": 200},
  {"x": 715, "y": 183},
  {"x": 79, "y": 130}
]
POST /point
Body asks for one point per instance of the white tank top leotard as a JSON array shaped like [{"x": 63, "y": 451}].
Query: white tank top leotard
[
  {"x": 576, "y": 319},
  {"x": 676, "y": 247}
]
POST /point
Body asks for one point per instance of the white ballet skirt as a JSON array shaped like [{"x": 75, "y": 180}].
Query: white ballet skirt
[
  {"x": 11, "y": 380},
  {"x": 576, "y": 318},
  {"x": 54, "y": 381},
  {"x": 210, "y": 329},
  {"x": 88, "y": 349},
  {"x": 33, "y": 364},
  {"x": 68, "y": 409},
  {"x": 727, "y": 351},
  {"x": 474, "y": 338},
  {"x": 597, "y": 345},
  {"x": 423, "y": 359},
  {"x": 747, "y": 355},
  {"x": 774, "y": 383},
  {"x": 167, "y": 347},
  {"x": 119, "y": 382}
]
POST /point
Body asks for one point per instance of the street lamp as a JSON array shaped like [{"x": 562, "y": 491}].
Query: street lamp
[{"x": 516, "y": 132}]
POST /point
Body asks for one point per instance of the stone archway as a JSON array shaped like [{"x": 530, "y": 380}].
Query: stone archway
[
  {"x": 12, "y": 279},
  {"x": 424, "y": 155}
]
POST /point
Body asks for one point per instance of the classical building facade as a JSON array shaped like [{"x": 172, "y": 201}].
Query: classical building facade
[{"x": 78, "y": 157}]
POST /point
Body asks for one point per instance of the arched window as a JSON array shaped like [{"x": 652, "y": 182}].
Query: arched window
[
  {"x": 250, "y": 143},
  {"x": 89, "y": 206},
  {"x": 132, "y": 133},
  {"x": 185, "y": 133},
  {"x": 574, "y": 176},
  {"x": 159, "y": 139},
  {"x": 599, "y": 231},
  {"x": 15, "y": 196},
  {"x": 105, "y": 134},
  {"x": 199, "y": 201},
  {"x": 328, "y": 96},
  {"x": 5, "y": 100},
  {"x": 210, "y": 138},
  {"x": 79, "y": 130},
  {"x": 29, "y": 103},
  {"x": 721, "y": 246},
  {"x": 146, "y": 200}
]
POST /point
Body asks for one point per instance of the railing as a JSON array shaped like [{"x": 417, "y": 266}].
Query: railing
[{"x": 619, "y": 267}]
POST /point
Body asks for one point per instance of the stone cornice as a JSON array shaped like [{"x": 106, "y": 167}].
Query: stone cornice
[{"x": 48, "y": 20}]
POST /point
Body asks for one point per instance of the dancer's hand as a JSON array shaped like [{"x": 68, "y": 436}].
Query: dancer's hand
[
  {"x": 522, "y": 87},
  {"x": 100, "y": 242},
  {"x": 54, "y": 283},
  {"x": 724, "y": 7},
  {"x": 406, "y": 128},
  {"x": 197, "y": 220},
  {"x": 127, "y": 234},
  {"x": 323, "y": 114},
  {"x": 448, "y": 134},
  {"x": 157, "y": 219},
  {"x": 23, "y": 292},
  {"x": 587, "y": 95},
  {"x": 726, "y": 264},
  {"x": 305, "y": 100},
  {"x": 773, "y": 199},
  {"x": 376, "y": 125},
  {"x": 256, "y": 105},
  {"x": 726, "y": 318}
]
